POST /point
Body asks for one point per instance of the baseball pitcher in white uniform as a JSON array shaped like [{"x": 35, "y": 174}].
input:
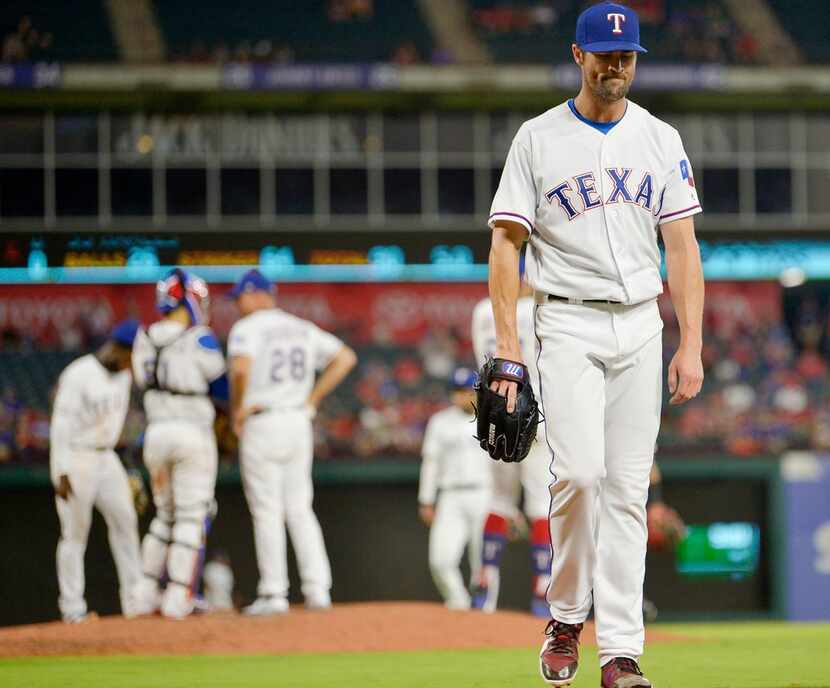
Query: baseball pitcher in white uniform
[
  {"x": 590, "y": 182},
  {"x": 179, "y": 364},
  {"x": 275, "y": 358},
  {"x": 531, "y": 477},
  {"x": 91, "y": 403},
  {"x": 454, "y": 492}
]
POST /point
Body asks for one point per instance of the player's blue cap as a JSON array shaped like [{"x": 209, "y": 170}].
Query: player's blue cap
[
  {"x": 124, "y": 332},
  {"x": 251, "y": 281},
  {"x": 607, "y": 27},
  {"x": 463, "y": 378}
]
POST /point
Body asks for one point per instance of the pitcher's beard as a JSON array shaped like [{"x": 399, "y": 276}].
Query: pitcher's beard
[{"x": 609, "y": 91}]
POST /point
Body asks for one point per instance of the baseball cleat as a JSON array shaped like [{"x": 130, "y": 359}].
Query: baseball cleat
[
  {"x": 622, "y": 672},
  {"x": 201, "y": 605},
  {"x": 266, "y": 606},
  {"x": 318, "y": 603},
  {"x": 80, "y": 618},
  {"x": 559, "y": 658},
  {"x": 176, "y": 602}
]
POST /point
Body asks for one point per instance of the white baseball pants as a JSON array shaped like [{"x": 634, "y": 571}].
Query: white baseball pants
[
  {"x": 276, "y": 451},
  {"x": 98, "y": 479},
  {"x": 182, "y": 460},
  {"x": 532, "y": 475},
  {"x": 600, "y": 368},
  {"x": 459, "y": 521}
]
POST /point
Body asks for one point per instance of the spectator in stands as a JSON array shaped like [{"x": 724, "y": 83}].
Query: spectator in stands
[
  {"x": 649, "y": 11},
  {"x": 7, "y": 430},
  {"x": 26, "y": 43},
  {"x": 350, "y": 10},
  {"x": 10, "y": 340},
  {"x": 406, "y": 54}
]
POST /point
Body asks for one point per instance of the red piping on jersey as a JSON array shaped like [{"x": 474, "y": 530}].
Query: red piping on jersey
[
  {"x": 512, "y": 215},
  {"x": 685, "y": 210}
]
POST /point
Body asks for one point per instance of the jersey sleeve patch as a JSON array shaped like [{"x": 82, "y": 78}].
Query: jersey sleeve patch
[
  {"x": 686, "y": 173},
  {"x": 208, "y": 341}
]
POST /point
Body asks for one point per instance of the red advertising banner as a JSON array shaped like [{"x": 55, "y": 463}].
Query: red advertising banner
[{"x": 364, "y": 313}]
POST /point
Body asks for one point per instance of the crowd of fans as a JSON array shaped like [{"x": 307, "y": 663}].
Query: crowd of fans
[
  {"x": 688, "y": 32},
  {"x": 767, "y": 390},
  {"x": 265, "y": 51},
  {"x": 703, "y": 33},
  {"x": 501, "y": 18},
  {"x": 691, "y": 32},
  {"x": 26, "y": 43},
  {"x": 247, "y": 52},
  {"x": 767, "y": 386}
]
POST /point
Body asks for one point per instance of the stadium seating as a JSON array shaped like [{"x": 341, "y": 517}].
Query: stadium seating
[
  {"x": 766, "y": 387},
  {"x": 80, "y": 30},
  {"x": 32, "y": 375},
  {"x": 806, "y": 21},
  {"x": 515, "y": 31},
  {"x": 304, "y": 27},
  {"x": 672, "y": 30}
]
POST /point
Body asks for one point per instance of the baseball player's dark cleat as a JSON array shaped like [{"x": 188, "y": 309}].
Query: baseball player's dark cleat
[
  {"x": 622, "y": 672},
  {"x": 559, "y": 658}
]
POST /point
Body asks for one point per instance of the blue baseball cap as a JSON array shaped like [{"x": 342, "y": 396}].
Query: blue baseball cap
[
  {"x": 124, "y": 332},
  {"x": 607, "y": 27},
  {"x": 463, "y": 378},
  {"x": 251, "y": 281}
]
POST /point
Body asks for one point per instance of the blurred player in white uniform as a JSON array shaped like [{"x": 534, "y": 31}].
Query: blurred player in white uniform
[
  {"x": 275, "y": 392},
  {"x": 532, "y": 475},
  {"x": 91, "y": 403},
  {"x": 454, "y": 491},
  {"x": 219, "y": 581},
  {"x": 179, "y": 364}
]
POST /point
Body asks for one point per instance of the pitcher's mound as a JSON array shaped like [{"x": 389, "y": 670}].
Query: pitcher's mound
[{"x": 375, "y": 626}]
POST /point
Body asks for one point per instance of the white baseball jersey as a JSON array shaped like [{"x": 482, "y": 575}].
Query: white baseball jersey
[
  {"x": 183, "y": 361},
  {"x": 592, "y": 201},
  {"x": 451, "y": 458},
  {"x": 484, "y": 334},
  {"x": 286, "y": 352},
  {"x": 90, "y": 406}
]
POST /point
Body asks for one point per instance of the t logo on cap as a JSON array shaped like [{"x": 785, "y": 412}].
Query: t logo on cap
[
  {"x": 616, "y": 18},
  {"x": 608, "y": 27}
]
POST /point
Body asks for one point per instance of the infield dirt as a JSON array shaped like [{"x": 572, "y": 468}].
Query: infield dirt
[{"x": 377, "y": 626}]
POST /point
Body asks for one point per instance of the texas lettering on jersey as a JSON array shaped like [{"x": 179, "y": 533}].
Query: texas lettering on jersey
[
  {"x": 636, "y": 175},
  {"x": 579, "y": 194}
]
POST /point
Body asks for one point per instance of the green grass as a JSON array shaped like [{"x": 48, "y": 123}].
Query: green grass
[{"x": 750, "y": 655}]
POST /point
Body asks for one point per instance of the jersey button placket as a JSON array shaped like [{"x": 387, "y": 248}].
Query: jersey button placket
[{"x": 611, "y": 215}]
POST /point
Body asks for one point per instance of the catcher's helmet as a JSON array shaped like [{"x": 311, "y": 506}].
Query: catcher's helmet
[{"x": 182, "y": 288}]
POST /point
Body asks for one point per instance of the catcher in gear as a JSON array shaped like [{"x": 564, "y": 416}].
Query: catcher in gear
[{"x": 505, "y": 435}]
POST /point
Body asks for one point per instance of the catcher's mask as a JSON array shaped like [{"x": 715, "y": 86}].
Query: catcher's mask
[{"x": 182, "y": 288}]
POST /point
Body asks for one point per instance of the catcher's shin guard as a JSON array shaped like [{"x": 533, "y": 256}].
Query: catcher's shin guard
[{"x": 199, "y": 569}]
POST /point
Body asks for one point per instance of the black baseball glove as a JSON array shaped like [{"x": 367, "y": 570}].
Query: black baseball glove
[{"x": 505, "y": 436}]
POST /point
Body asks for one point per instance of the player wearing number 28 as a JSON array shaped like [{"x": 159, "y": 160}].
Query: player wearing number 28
[
  {"x": 589, "y": 183},
  {"x": 275, "y": 392}
]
